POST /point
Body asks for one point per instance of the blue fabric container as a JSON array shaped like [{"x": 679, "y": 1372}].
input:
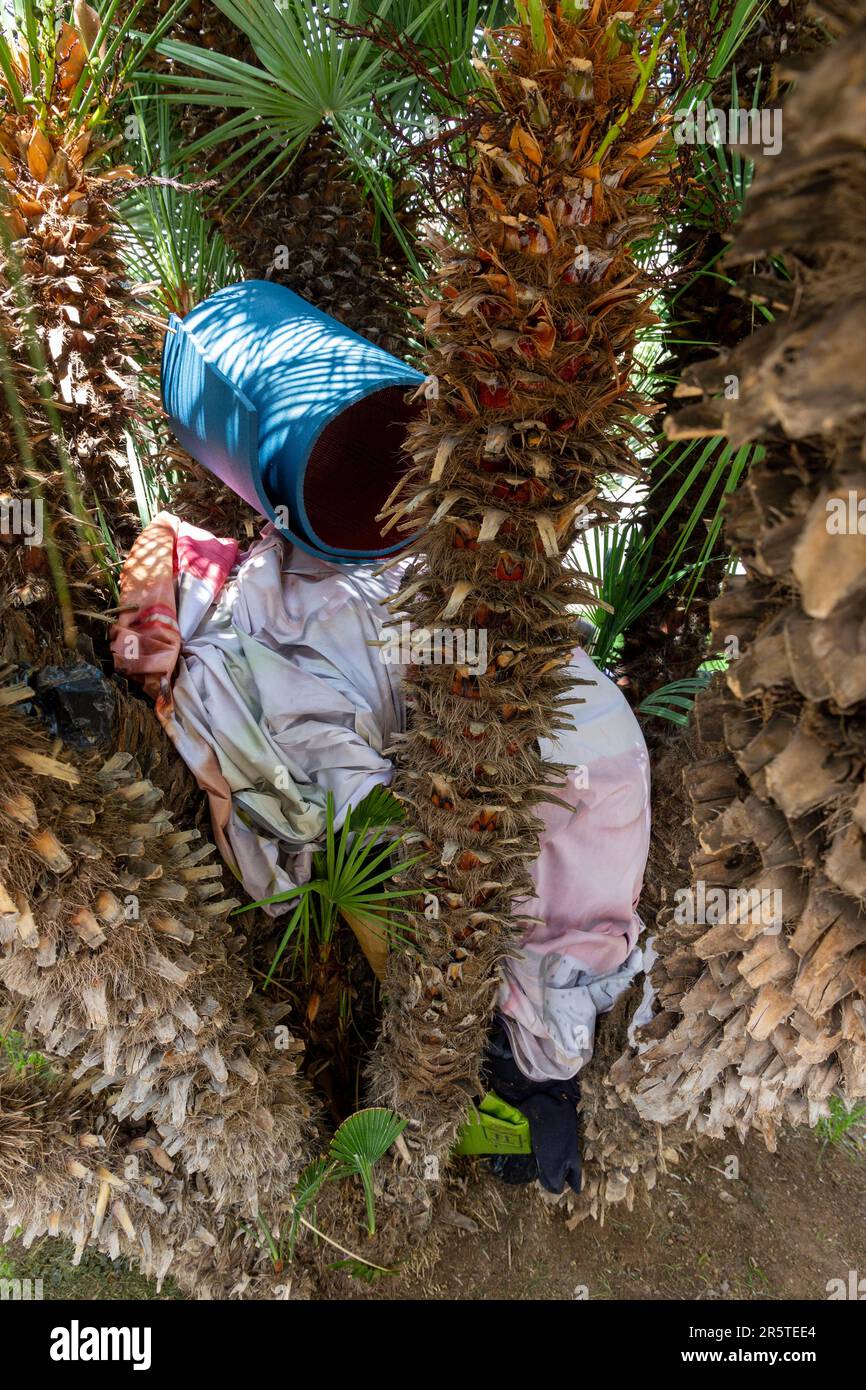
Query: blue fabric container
[{"x": 300, "y": 416}]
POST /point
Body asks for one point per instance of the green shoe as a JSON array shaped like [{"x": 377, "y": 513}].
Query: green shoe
[{"x": 495, "y": 1127}]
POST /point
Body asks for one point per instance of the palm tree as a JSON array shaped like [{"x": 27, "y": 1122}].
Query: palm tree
[
  {"x": 309, "y": 183},
  {"x": 690, "y": 480},
  {"x": 766, "y": 997},
  {"x": 534, "y": 315},
  {"x": 116, "y": 957},
  {"x": 67, "y": 321}
]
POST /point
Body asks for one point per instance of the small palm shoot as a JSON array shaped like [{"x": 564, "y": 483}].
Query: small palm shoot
[
  {"x": 358, "y": 1145},
  {"x": 350, "y": 876}
]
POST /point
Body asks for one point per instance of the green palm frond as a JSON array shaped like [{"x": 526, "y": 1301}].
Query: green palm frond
[
  {"x": 304, "y": 1194},
  {"x": 379, "y": 810},
  {"x": 620, "y": 563},
  {"x": 311, "y": 76},
  {"x": 675, "y": 701},
  {"x": 708, "y": 471},
  {"x": 727, "y": 31},
  {"x": 350, "y": 875},
  {"x": 359, "y": 1143},
  {"x": 169, "y": 243},
  {"x": 175, "y": 255}
]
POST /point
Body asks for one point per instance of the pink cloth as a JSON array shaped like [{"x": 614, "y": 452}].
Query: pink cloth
[
  {"x": 173, "y": 566},
  {"x": 146, "y": 640},
  {"x": 588, "y": 876}
]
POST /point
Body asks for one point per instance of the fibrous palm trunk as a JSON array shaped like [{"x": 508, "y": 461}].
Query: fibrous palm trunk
[
  {"x": 116, "y": 946},
  {"x": 671, "y": 639},
  {"x": 67, "y": 339},
  {"x": 533, "y": 321},
  {"x": 313, "y": 231},
  {"x": 765, "y": 988},
  {"x": 115, "y": 954},
  {"x": 68, "y": 1170}
]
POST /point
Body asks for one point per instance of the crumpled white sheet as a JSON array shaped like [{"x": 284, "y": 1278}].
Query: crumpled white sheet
[{"x": 281, "y": 697}]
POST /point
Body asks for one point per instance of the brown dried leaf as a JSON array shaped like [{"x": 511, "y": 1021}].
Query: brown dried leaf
[{"x": 40, "y": 152}]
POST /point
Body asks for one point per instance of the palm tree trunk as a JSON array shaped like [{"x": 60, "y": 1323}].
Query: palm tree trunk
[
  {"x": 671, "y": 639},
  {"x": 533, "y": 318},
  {"x": 766, "y": 994}
]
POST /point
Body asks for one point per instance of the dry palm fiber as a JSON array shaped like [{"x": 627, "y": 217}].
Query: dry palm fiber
[
  {"x": 314, "y": 232},
  {"x": 68, "y": 1170},
  {"x": 533, "y": 319},
  {"x": 622, "y": 1154},
  {"x": 201, "y": 23},
  {"x": 137, "y": 731},
  {"x": 68, "y": 336},
  {"x": 670, "y": 641},
  {"x": 115, "y": 942},
  {"x": 767, "y": 1007}
]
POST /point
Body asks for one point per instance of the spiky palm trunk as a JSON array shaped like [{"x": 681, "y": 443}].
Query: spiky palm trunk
[
  {"x": 65, "y": 1172},
  {"x": 533, "y": 319},
  {"x": 767, "y": 1008},
  {"x": 117, "y": 947},
  {"x": 67, "y": 339}
]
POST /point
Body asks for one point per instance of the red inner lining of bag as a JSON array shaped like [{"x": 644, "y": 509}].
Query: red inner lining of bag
[{"x": 355, "y": 465}]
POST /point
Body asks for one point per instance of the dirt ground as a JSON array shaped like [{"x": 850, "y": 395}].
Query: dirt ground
[
  {"x": 790, "y": 1222},
  {"x": 780, "y": 1230}
]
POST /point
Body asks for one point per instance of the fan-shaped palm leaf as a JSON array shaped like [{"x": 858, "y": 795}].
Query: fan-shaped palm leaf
[
  {"x": 312, "y": 77},
  {"x": 359, "y": 1143}
]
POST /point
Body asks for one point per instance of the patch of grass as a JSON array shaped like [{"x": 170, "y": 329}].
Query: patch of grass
[
  {"x": 96, "y": 1277},
  {"x": 757, "y": 1281},
  {"x": 15, "y": 1051},
  {"x": 844, "y": 1128}
]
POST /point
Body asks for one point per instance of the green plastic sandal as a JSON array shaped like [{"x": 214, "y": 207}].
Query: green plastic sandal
[{"x": 495, "y": 1127}]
